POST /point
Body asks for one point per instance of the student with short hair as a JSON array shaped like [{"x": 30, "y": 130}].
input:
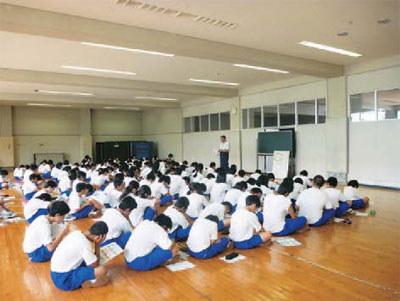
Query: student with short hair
[
  {"x": 160, "y": 190},
  {"x": 36, "y": 207},
  {"x": 209, "y": 181},
  {"x": 313, "y": 203},
  {"x": 18, "y": 174},
  {"x": 65, "y": 181},
  {"x": 219, "y": 189},
  {"x": 297, "y": 189},
  {"x": 352, "y": 193},
  {"x": 38, "y": 242},
  {"x": 197, "y": 201},
  {"x": 81, "y": 208},
  {"x": 244, "y": 223},
  {"x": 256, "y": 174},
  {"x": 31, "y": 187},
  {"x": 242, "y": 201},
  {"x": 336, "y": 197},
  {"x": 203, "y": 239},
  {"x": 55, "y": 172},
  {"x": 276, "y": 210},
  {"x": 219, "y": 210},
  {"x": 233, "y": 195},
  {"x": 74, "y": 264},
  {"x": 306, "y": 180},
  {"x": 49, "y": 187},
  {"x": 239, "y": 177},
  {"x": 114, "y": 195},
  {"x": 146, "y": 206},
  {"x": 118, "y": 223},
  {"x": 181, "y": 222},
  {"x": 149, "y": 245}
]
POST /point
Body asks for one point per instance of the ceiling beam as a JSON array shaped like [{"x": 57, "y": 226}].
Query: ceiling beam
[{"x": 62, "y": 26}]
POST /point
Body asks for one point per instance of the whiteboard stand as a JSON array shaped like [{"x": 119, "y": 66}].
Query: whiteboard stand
[{"x": 267, "y": 156}]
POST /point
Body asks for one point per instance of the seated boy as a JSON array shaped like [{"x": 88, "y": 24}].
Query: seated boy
[
  {"x": 246, "y": 231},
  {"x": 297, "y": 189},
  {"x": 38, "y": 243},
  {"x": 30, "y": 187},
  {"x": 118, "y": 223},
  {"x": 336, "y": 197},
  {"x": 313, "y": 203},
  {"x": 219, "y": 210},
  {"x": 242, "y": 201},
  {"x": 37, "y": 207},
  {"x": 352, "y": 193},
  {"x": 203, "y": 239},
  {"x": 74, "y": 264},
  {"x": 81, "y": 208},
  {"x": 146, "y": 206},
  {"x": 197, "y": 201},
  {"x": 181, "y": 222},
  {"x": 276, "y": 209},
  {"x": 114, "y": 195},
  {"x": 149, "y": 245}
]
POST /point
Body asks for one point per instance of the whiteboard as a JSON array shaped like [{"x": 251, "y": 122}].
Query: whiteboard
[{"x": 280, "y": 165}]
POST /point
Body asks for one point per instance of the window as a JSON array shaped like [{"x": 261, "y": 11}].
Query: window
[
  {"x": 244, "y": 119},
  {"x": 287, "y": 114},
  {"x": 388, "y": 104},
  {"x": 225, "y": 121},
  {"x": 321, "y": 110},
  {"x": 214, "y": 122},
  {"x": 196, "y": 124},
  {"x": 255, "y": 118},
  {"x": 270, "y": 116},
  {"x": 187, "y": 125},
  {"x": 362, "y": 107},
  {"x": 306, "y": 112},
  {"x": 204, "y": 123}
]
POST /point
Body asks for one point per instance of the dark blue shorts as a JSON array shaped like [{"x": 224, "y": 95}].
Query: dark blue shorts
[
  {"x": 38, "y": 213},
  {"x": 250, "y": 243},
  {"x": 292, "y": 225},
  {"x": 358, "y": 204},
  {"x": 149, "y": 214},
  {"x": 212, "y": 250},
  {"x": 343, "y": 207},
  {"x": 221, "y": 225},
  {"x": 122, "y": 240},
  {"x": 166, "y": 199},
  {"x": 151, "y": 260},
  {"x": 30, "y": 195},
  {"x": 73, "y": 279},
  {"x": 47, "y": 175},
  {"x": 83, "y": 213},
  {"x": 41, "y": 254},
  {"x": 326, "y": 215},
  {"x": 180, "y": 234},
  {"x": 260, "y": 217}
]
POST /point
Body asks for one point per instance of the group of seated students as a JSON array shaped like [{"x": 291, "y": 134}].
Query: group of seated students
[{"x": 146, "y": 206}]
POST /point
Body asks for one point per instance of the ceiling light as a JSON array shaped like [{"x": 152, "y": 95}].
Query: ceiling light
[
  {"x": 127, "y": 49},
  {"x": 329, "y": 48},
  {"x": 46, "y": 105},
  {"x": 212, "y": 82},
  {"x": 120, "y": 108},
  {"x": 98, "y": 70},
  {"x": 260, "y": 68},
  {"x": 156, "y": 98},
  {"x": 64, "y": 92}
]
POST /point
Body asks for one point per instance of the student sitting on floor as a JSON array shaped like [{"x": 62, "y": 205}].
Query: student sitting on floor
[
  {"x": 336, "y": 197},
  {"x": 117, "y": 220},
  {"x": 297, "y": 189},
  {"x": 55, "y": 172},
  {"x": 244, "y": 223},
  {"x": 239, "y": 177},
  {"x": 306, "y": 180},
  {"x": 209, "y": 181},
  {"x": 49, "y": 187},
  {"x": 181, "y": 222},
  {"x": 149, "y": 245},
  {"x": 74, "y": 264},
  {"x": 38, "y": 243},
  {"x": 219, "y": 189},
  {"x": 276, "y": 209},
  {"x": 219, "y": 210},
  {"x": 80, "y": 177},
  {"x": 272, "y": 184},
  {"x": 146, "y": 206},
  {"x": 313, "y": 203},
  {"x": 29, "y": 188},
  {"x": 197, "y": 201},
  {"x": 234, "y": 194},
  {"x": 242, "y": 201},
  {"x": 160, "y": 190},
  {"x": 80, "y": 208},
  {"x": 4, "y": 179},
  {"x": 114, "y": 195},
  {"x": 256, "y": 174},
  {"x": 203, "y": 239},
  {"x": 185, "y": 187},
  {"x": 37, "y": 206},
  {"x": 352, "y": 193},
  {"x": 19, "y": 173},
  {"x": 65, "y": 181}
]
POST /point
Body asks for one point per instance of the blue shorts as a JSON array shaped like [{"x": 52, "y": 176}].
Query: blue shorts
[
  {"x": 343, "y": 207},
  {"x": 221, "y": 225},
  {"x": 18, "y": 179},
  {"x": 292, "y": 225},
  {"x": 38, "y": 213},
  {"x": 47, "y": 175},
  {"x": 193, "y": 218},
  {"x": 212, "y": 250},
  {"x": 41, "y": 254},
  {"x": 107, "y": 205},
  {"x": 234, "y": 208},
  {"x": 357, "y": 204},
  {"x": 250, "y": 243},
  {"x": 151, "y": 260},
  {"x": 166, "y": 199},
  {"x": 149, "y": 214},
  {"x": 293, "y": 204},
  {"x": 66, "y": 192},
  {"x": 103, "y": 187},
  {"x": 180, "y": 234},
  {"x": 122, "y": 240},
  {"x": 260, "y": 217},
  {"x": 30, "y": 195},
  {"x": 73, "y": 279},
  {"x": 83, "y": 213},
  {"x": 327, "y": 215}
]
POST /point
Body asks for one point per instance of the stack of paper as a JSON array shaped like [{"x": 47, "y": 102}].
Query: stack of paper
[
  {"x": 109, "y": 252},
  {"x": 180, "y": 266},
  {"x": 286, "y": 241}
]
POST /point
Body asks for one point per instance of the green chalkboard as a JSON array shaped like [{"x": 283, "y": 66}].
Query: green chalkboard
[{"x": 268, "y": 142}]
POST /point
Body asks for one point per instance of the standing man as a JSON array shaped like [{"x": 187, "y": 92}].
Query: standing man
[{"x": 224, "y": 154}]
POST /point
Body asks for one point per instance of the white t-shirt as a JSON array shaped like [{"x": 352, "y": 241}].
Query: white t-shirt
[
  {"x": 74, "y": 183},
  {"x": 232, "y": 196},
  {"x": 255, "y": 175},
  {"x": 297, "y": 189},
  {"x": 136, "y": 215},
  {"x": 18, "y": 173},
  {"x": 116, "y": 222},
  {"x": 335, "y": 196},
  {"x": 306, "y": 181},
  {"x": 99, "y": 196},
  {"x": 237, "y": 179},
  {"x": 224, "y": 145},
  {"x": 241, "y": 203},
  {"x": 74, "y": 249},
  {"x": 218, "y": 192},
  {"x": 55, "y": 172},
  {"x": 65, "y": 183},
  {"x": 312, "y": 203},
  {"x": 351, "y": 193},
  {"x": 177, "y": 218},
  {"x": 33, "y": 206},
  {"x": 29, "y": 187},
  {"x": 272, "y": 184},
  {"x": 158, "y": 189},
  {"x": 243, "y": 224},
  {"x": 113, "y": 198},
  {"x": 214, "y": 209},
  {"x": 196, "y": 204},
  {"x": 75, "y": 201},
  {"x": 229, "y": 180},
  {"x": 27, "y": 175},
  {"x": 109, "y": 188},
  {"x": 176, "y": 184},
  {"x": 197, "y": 178},
  {"x": 144, "y": 182},
  {"x": 37, "y": 234},
  {"x": 275, "y": 211},
  {"x": 209, "y": 184},
  {"x": 146, "y": 236},
  {"x": 201, "y": 234}
]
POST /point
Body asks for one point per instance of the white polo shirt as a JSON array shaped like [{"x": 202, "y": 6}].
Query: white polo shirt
[
  {"x": 209, "y": 184},
  {"x": 312, "y": 203},
  {"x": 233, "y": 195},
  {"x": 28, "y": 187},
  {"x": 113, "y": 198},
  {"x": 214, "y": 209},
  {"x": 37, "y": 234},
  {"x": 335, "y": 196},
  {"x": 177, "y": 218},
  {"x": 33, "y": 206},
  {"x": 136, "y": 215},
  {"x": 116, "y": 222},
  {"x": 275, "y": 211},
  {"x": 224, "y": 145},
  {"x": 243, "y": 225},
  {"x": 351, "y": 193},
  {"x": 297, "y": 189},
  {"x": 241, "y": 203},
  {"x": 75, "y": 201},
  {"x": 158, "y": 189},
  {"x": 218, "y": 191},
  {"x": 176, "y": 184},
  {"x": 146, "y": 236},
  {"x": 196, "y": 204},
  {"x": 237, "y": 179},
  {"x": 73, "y": 250},
  {"x": 201, "y": 234}
]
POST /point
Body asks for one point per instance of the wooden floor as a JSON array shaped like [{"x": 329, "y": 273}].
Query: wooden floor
[{"x": 335, "y": 262}]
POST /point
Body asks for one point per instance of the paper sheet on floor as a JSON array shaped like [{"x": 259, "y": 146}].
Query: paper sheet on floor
[
  {"x": 361, "y": 214},
  {"x": 16, "y": 219},
  {"x": 180, "y": 266},
  {"x": 109, "y": 252},
  {"x": 286, "y": 241},
  {"x": 236, "y": 259}
]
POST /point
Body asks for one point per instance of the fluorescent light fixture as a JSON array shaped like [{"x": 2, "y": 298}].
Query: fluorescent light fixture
[
  {"x": 120, "y": 108},
  {"x": 65, "y": 92},
  {"x": 156, "y": 98},
  {"x": 329, "y": 48},
  {"x": 127, "y": 49},
  {"x": 212, "y": 82},
  {"x": 260, "y": 68},
  {"x": 98, "y": 70},
  {"x": 46, "y": 105}
]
